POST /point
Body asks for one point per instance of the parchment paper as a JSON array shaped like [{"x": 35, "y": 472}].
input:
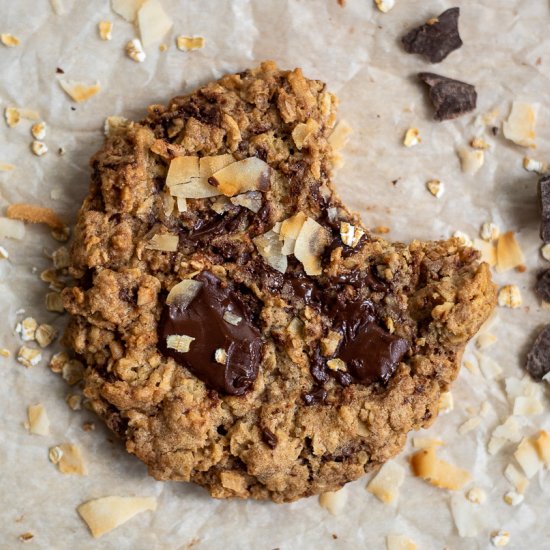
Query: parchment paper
[{"x": 356, "y": 50}]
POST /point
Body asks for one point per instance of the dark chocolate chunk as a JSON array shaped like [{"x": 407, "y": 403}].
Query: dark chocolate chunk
[
  {"x": 316, "y": 396},
  {"x": 538, "y": 359},
  {"x": 451, "y": 98},
  {"x": 437, "y": 38},
  {"x": 269, "y": 438},
  {"x": 542, "y": 287},
  {"x": 544, "y": 201},
  {"x": 203, "y": 320}
]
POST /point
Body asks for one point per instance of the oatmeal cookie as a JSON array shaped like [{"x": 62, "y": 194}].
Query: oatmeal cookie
[{"x": 240, "y": 327}]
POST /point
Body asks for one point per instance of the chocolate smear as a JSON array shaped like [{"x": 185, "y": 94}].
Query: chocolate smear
[
  {"x": 538, "y": 359},
  {"x": 544, "y": 202},
  {"x": 451, "y": 98},
  {"x": 437, "y": 38},
  {"x": 542, "y": 287}
]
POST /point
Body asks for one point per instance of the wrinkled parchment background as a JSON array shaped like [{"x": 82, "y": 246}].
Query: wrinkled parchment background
[{"x": 356, "y": 50}]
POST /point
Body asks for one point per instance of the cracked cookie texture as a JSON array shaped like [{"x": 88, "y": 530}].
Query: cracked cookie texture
[{"x": 350, "y": 343}]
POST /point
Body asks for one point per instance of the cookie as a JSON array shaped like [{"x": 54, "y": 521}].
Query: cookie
[{"x": 241, "y": 328}]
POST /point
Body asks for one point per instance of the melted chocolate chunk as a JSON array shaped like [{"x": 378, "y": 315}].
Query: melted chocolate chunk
[
  {"x": 436, "y": 39},
  {"x": 538, "y": 359},
  {"x": 203, "y": 321},
  {"x": 542, "y": 288},
  {"x": 315, "y": 397},
  {"x": 451, "y": 98},
  {"x": 544, "y": 202}
]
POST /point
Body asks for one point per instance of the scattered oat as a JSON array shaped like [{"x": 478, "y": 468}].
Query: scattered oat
[
  {"x": 38, "y": 422},
  {"x": 39, "y": 148},
  {"x": 509, "y": 296},
  {"x": 135, "y": 51},
  {"x": 38, "y": 130},
  {"x": 220, "y": 356},
  {"x": 399, "y": 542},
  {"x": 509, "y": 431},
  {"x": 381, "y": 229},
  {"x": 436, "y": 188},
  {"x": 526, "y": 406},
  {"x": 72, "y": 372},
  {"x": 183, "y": 293},
  {"x": 164, "y": 242},
  {"x": 485, "y": 340},
  {"x": 350, "y": 234},
  {"x": 58, "y": 361},
  {"x": 446, "y": 402},
  {"x": 179, "y": 342},
  {"x": 68, "y": 459},
  {"x": 386, "y": 483},
  {"x": 163, "y": 47},
  {"x": 26, "y": 537},
  {"x": 74, "y": 400},
  {"x": 27, "y": 329},
  {"x": 333, "y": 501},
  {"x": 425, "y": 442},
  {"x": 537, "y": 166},
  {"x": 12, "y": 116},
  {"x": 463, "y": 237},
  {"x": 29, "y": 357},
  {"x": 9, "y": 40},
  {"x": 490, "y": 369},
  {"x": 439, "y": 473},
  {"x": 78, "y": 91},
  {"x": 545, "y": 251},
  {"x": 412, "y": 137},
  {"x": 476, "y": 495},
  {"x": 153, "y": 22},
  {"x": 509, "y": 254},
  {"x": 190, "y": 43},
  {"x": 471, "y": 161},
  {"x": 33, "y": 213},
  {"x": 105, "y": 29},
  {"x": 5, "y": 352},
  {"x": 479, "y": 143},
  {"x": 231, "y": 318},
  {"x": 520, "y": 126},
  {"x": 385, "y": 5},
  {"x": 88, "y": 426},
  {"x": 516, "y": 478},
  {"x": 54, "y": 302},
  {"x": 310, "y": 243},
  {"x": 528, "y": 457},
  {"x": 500, "y": 538},
  {"x": 513, "y": 499},
  {"x": 5, "y": 167},
  {"x": 489, "y": 231},
  {"x": 469, "y": 425},
  {"x": 104, "y": 514}
]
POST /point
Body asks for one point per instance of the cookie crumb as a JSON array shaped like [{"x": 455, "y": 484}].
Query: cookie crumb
[
  {"x": 54, "y": 302},
  {"x": 489, "y": 231},
  {"x": 537, "y": 166},
  {"x": 38, "y": 130},
  {"x": 476, "y": 495},
  {"x": 387, "y": 481},
  {"x": 479, "y": 143},
  {"x": 520, "y": 126},
  {"x": 385, "y": 5},
  {"x": 500, "y": 538},
  {"x": 179, "y": 342},
  {"x": 39, "y": 148},
  {"x": 412, "y": 137},
  {"x": 436, "y": 188},
  {"x": 105, "y": 29},
  {"x": 29, "y": 357},
  {"x": 333, "y": 501},
  {"x": 38, "y": 422},
  {"x": 135, "y": 51},
  {"x": 471, "y": 161}
]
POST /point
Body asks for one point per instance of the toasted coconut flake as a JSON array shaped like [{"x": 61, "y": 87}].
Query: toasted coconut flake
[
  {"x": 399, "y": 542},
  {"x": 270, "y": 248},
  {"x": 500, "y": 538},
  {"x": 488, "y": 251},
  {"x": 251, "y": 200},
  {"x": 38, "y": 422},
  {"x": 163, "y": 242},
  {"x": 114, "y": 125},
  {"x": 520, "y": 126},
  {"x": 333, "y": 501},
  {"x": 190, "y": 43},
  {"x": 69, "y": 459},
  {"x": 425, "y": 442},
  {"x": 183, "y": 293},
  {"x": 251, "y": 174},
  {"x": 220, "y": 356},
  {"x": 34, "y": 214},
  {"x": 525, "y": 406},
  {"x": 466, "y": 517},
  {"x": 135, "y": 51},
  {"x": 509, "y": 431},
  {"x": 385, "y": 485},
  {"x": 412, "y": 137},
  {"x": 153, "y": 22},
  {"x": 289, "y": 231},
  {"x": 436, "y": 188},
  {"x": 446, "y": 402},
  {"x": 439, "y": 473},
  {"x": 489, "y": 231},
  {"x": 105, "y": 29},
  {"x": 221, "y": 205},
  {"x": 537, "y": 166},
  {"x": 479, "y": 143},
  {"x": 79, "y": 91},
  {"x": 105, "y": 514},
  {"x": 516, "y": 478},
  {"x": 490, "y": 369},
  {"x": 350, "y": 234},
  {"x": 312, "y": 240},
  {"x": 510, "y": 296},
  {"x": 231, "y": 318},
  {"x": 12, "y": 229},
  {"x": 469, "y": 425},
  {"x": 476, "y": 495},
  {"x": 471, "y": 160},
  {"x": 340, "y": 136},
  {"x": 303, "y": 132},
  {"x": 208, "y": 166},
  {"x": 509, "y": 254},
  {"x": 128, "y": 9},
  {"x": 542, "y": 445},
  {"x": 528, "y": 458},
  {"x": 29, "y": 357},
  {"x": 385, "y": 5},
  {"x": 12, "y": 116},
  {"x": 9, "y": 40},
  {"x": 5, "y": 167},
  {"x": 179, "y": 342},
  {"x": 485, "y": 340},
  {"x": 513, "y": 499}
]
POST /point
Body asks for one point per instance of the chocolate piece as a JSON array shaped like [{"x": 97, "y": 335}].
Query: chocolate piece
[
  {"x": 203, "y": 320},
  {"x": 437, "y": 38},
  {"x": 542, "y": 288},
  {"x": 538, "y": 359},
  {"x": 544, "y": 201},
  {"x": 370, "y": 353},
  {"x": 316, "y": 396},
  {"x": 269, "y": 438},
  {"x": 451, "y": 98}
]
